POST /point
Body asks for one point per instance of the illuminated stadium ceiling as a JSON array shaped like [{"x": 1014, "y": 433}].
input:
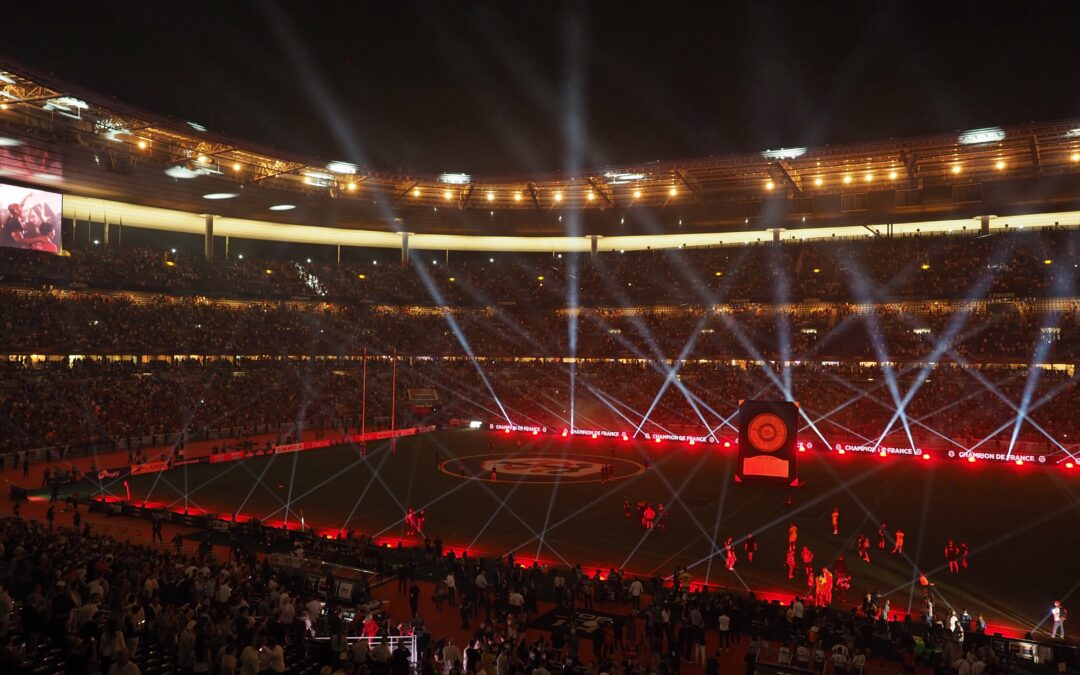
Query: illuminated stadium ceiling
[{"x": 99, "y": 152}]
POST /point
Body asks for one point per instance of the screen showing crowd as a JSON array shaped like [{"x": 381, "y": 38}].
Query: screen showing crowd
[{"x": 30, "y": 218}]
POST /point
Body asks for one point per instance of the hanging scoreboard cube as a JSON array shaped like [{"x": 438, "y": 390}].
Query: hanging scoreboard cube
[{"x": 767, "y": 431}]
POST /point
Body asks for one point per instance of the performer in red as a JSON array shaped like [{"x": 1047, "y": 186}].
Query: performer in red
[
  {"x": 410, "y": 521},
  {"x": 808, "y": 561},
  {"x": 791, "y": 563},
  {"x": 899, "y": 536},
  {"x": 648, "y": 517},
  {"x": 864, "y": 548},
  {"x": 836, "y": 521},
  {"x": 494, "y": 474},
  {"x": 661, "y": 516},
  {"x": 952, "y": 554},
  {"x": 882, "y": 533},
  {"x": 749, "y": 547},
  {"x": 419, "y": 520},
  {"x": 963, "y": 550},
  {"x": 792, "y": 535},
  {"x": 729, "y": 553}
]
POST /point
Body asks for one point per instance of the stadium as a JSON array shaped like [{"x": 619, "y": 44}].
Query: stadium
[{"x": 794, "y": 409}]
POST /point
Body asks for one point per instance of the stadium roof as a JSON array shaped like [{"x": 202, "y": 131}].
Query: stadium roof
[{"x": 102, "y": 149}]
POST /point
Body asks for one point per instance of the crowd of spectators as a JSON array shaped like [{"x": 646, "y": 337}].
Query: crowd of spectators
[
  {"x": 54, "y": 322},
  {"x": 1021, "y": 264},
  {"x": 278, "y": 341},
  {"x": 123, "y": 405},
  {"x": 75, "y": 602}
]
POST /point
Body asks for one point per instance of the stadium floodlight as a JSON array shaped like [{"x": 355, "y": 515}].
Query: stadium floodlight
[
  {"x": 984, "y": 135},
  {"x": 618, "y": 177},
  {"x": 341, "y": 167},
  {"x": 181, "y": 171},
  {"x": 455, "y": 178},
  {"x": 196, "y": 126},
  {"x": 784, "y": 153},
  {"x": 220, "y": 195},
  {"x": 282, "y": 207}
]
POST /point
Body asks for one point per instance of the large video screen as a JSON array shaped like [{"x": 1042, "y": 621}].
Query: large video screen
[{"x": 30, "y": 218}]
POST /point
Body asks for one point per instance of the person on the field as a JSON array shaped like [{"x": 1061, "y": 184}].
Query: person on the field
[
  {"x": 729, "y": 553},
  {"x": 827, "y": 586},
  {"x": 410, "y": 521},
  {"x": 864, "y": 548},
  {"x": 952, "y": 556},
  {"x": 963, "y": 552},
  {"x": 648, "y": 517},
  {"x": 419, "y": 521},
  {"x": 883, "y": 534},
  {"x": 808, "y": 561},
  {"x": 626, "y": 508},
  {"x": 661, "y": 516},
  {"x": 898, "y": 536},
  {"x": 843, "y": 578},
  {"x": 1058, "y": 614},
  {"x": 792, "y": 535},
  {"x": 836, "y": 521},
  {"x": 749, "y": 547},
  {"x": 494, "y": 474},
  {"x": 790, "y": 563}
]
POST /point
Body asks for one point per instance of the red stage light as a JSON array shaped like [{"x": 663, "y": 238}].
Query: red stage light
[
  {"x": 1069, "y": 465},
  {"x": 594, "y": 436},
  {"x": 1019, "y": 462},
  {"x": 883, "y": 453},
  {"x": 506, "y": 431},
  {"x": 625, "y": 437},
  {"x": 971, "y": 459},
  {"x": 926, "y": 455},
  {"x": 841, "y": 451},
  {"x": 535, "y": 432},
  {"x": 657, "y": 439},
  {"x": 565, "y": 433},
  {"x": 727, "y": 444},
  {"x": 692, "y": 442}
]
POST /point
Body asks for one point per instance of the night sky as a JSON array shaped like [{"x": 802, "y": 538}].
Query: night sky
[{"x": 461, "y": 86}]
